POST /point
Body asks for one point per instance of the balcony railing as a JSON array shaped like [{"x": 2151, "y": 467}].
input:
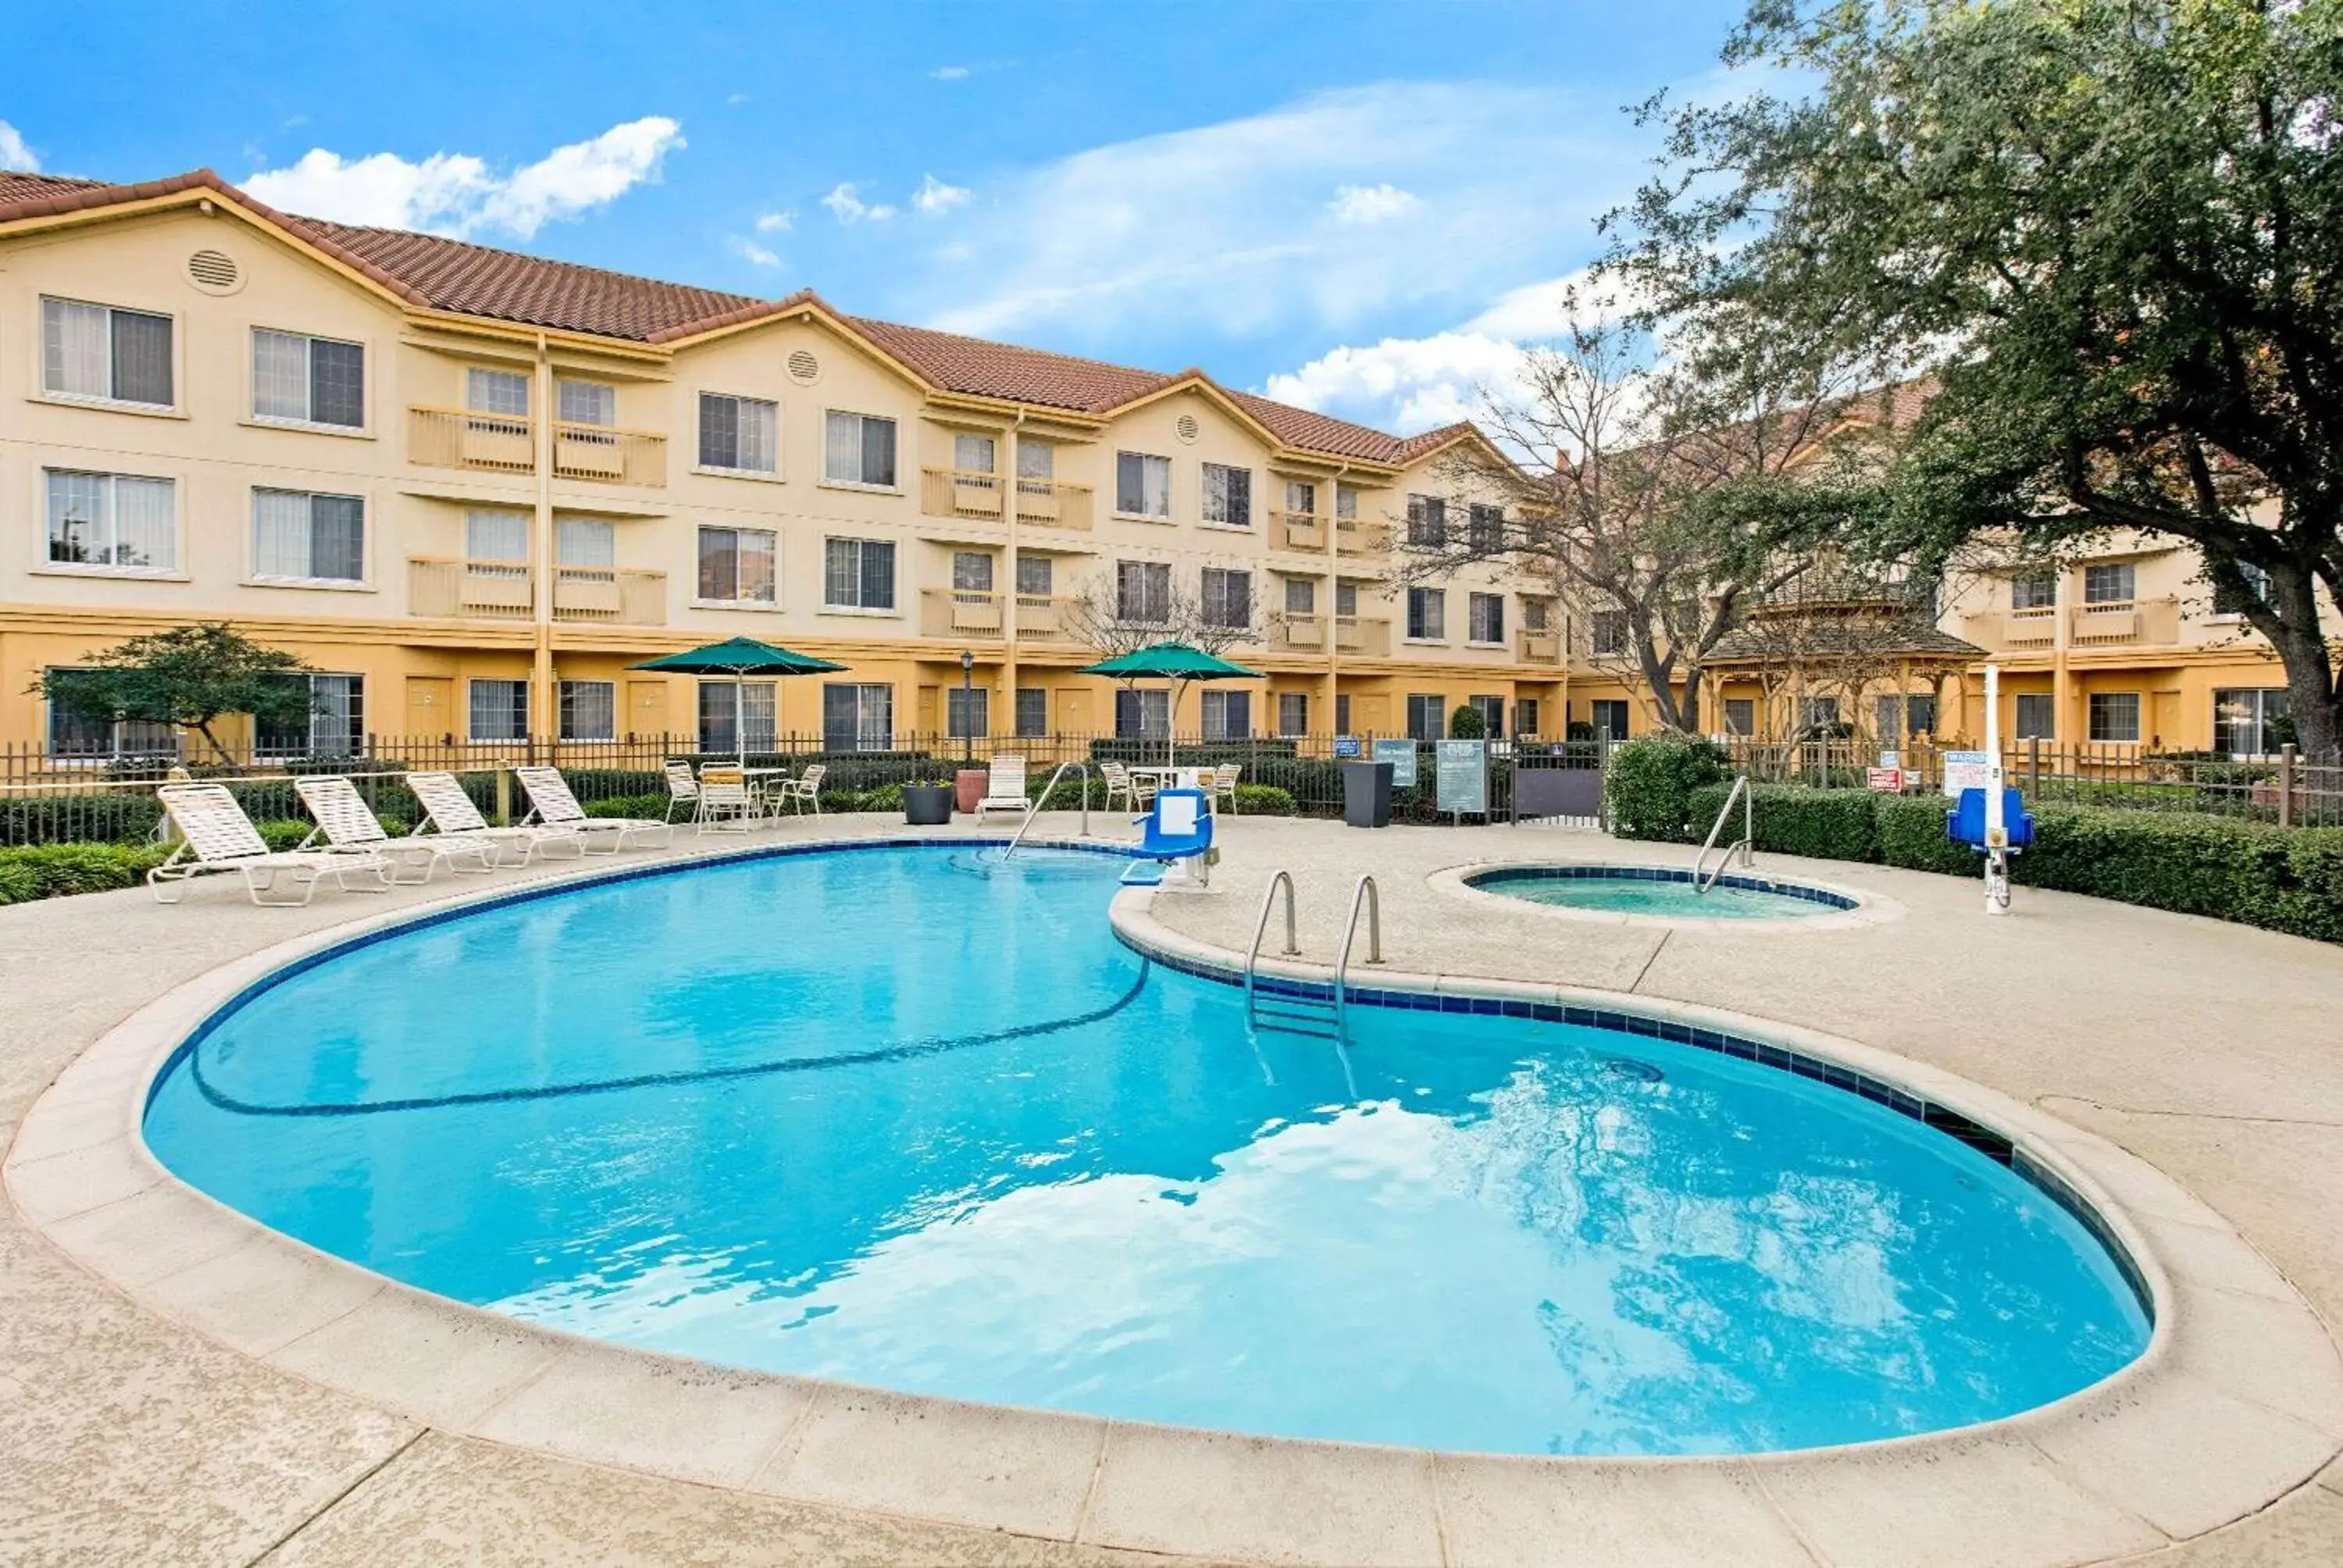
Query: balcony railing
[
  {"x": 1297, "y": 633},
  {"x": 1047, "y": 503},
  {"x": 973, "y": 614},
  {"x": 449, "y": 588},
  {"x": 617, "y": 595},
  {"x": 1539, "y": 646},
  {"x": 456, "y": 438},
  {"x": 1353, "y": 536},
  {"x": 1302, "y": 531},
  {"x": 1370, "y": 638},
  {"x": 608, "y": 455},
  {"x": 2116, "y": 622}
]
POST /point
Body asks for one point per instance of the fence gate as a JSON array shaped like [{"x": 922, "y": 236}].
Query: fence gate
[{"x": 1559, "y": 780}]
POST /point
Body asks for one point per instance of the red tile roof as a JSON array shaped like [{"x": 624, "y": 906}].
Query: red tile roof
[{"x": 506, "y": 286}]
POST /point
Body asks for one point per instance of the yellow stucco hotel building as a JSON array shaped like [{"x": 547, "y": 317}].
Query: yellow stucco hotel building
[{"x": 470, "y": 488}]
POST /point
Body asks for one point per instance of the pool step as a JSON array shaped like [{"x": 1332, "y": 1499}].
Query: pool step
[{"x": 1296, "y": 1015}]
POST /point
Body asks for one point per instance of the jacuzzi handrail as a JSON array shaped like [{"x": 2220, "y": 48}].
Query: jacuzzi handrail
[
  {"x": 1034, "y": 810},
  {"x": 1745, "y": 843}
]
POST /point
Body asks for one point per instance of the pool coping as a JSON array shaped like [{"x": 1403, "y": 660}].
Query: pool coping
[
  {"x": 1868, "y": 909},
  {"x": 2238, "y": 1398}
]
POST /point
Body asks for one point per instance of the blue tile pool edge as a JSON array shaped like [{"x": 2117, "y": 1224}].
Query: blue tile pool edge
[{"x": 1491, "y": 880}]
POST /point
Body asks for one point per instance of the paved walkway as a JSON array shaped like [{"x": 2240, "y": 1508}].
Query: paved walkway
[{"x": 2212, "y": 1052}]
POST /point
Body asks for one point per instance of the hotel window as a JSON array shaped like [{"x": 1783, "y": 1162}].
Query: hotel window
[
  {"x": 1425, "y": 717},
  {"x": 2108, "y": 584},
  {"x": 1427, "y": 521},
  {"x": 1142, "y": 715},
  {"x": 1032, "y": 711},
  {"x": 1525, "y": 716},
  {"x": 1427, "y": 615},
  {"x": 1740, "y": 715},
  {"x": 1228, "y": 714},
  {"x": 335, "y": 725},
  {"x": 1301, "y": 497},
  {"x": 1228, "y": 496},
  {"x": 739, "y": 435},
  {"x": 2115, "y": 716},
  {"x": 1346, "y": 598},
  {"x": 857, "y": 574},
  {"x": 1818, "y": 715},
  {"x": 1346, "y": 502},
  {"x": 1227, "y": 598},
  {"x": 1342, "y": 714},
  {"x": 2037, "y": 716},
  {"x": 1888, "y": 714},
  {"x": 1484, "y": 617},
  {"x": 1142, "y": 485},
  {"x": 1491, "y": 711},
  {"x": 1485, "y": 529},
  {"x": 97, "y": 351},
  {"x": 858, "y": 449},
  {"x": 588, "y": 542},
  {"x": 586, "y": 402},
  {"x": 967, "y": 714},
  {"x": 308, "y": 380},
  {"x": 858, "y": 718},
  {"x": 1534, "y": 614},
  {"x": 973, "y": 572},
  {"x": 1608, "y": 630},
  {"x": 496, "y": 537},
  {"x": 972, "y": 456},
  {"x": 2230, "y": 601},
  {"x": 737, "y": 717},
  {"x": 1142, "y": 592},
  {"x": 73, "y": 734},
  {"x": 2246, "y": 720},
  {"x": 590, "y": 710},
  {"x": 2035, "y": 590},
  {"x": 1037, "y": 461},
  {"x": 1609, "y": 715},
  {"x": 1034, "y": 575},
  {"x": 1293, "y": 713},
  {"x": 1920, "y": 715},
  {"x": 116, "y": 520},
  {"x": 736, "y": 566},
  {"x": 1301, "y": 595},
  {"x": 504, "y": 392},
  {"x": 309, "y": 538},
  {"x": 498, "y": 709}
]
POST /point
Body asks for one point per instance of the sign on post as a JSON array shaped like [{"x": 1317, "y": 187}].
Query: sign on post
[
  {"x": 1346, "y": 748},
  {"x": 1965, "y": 770},
  {"x": 1401, "y": 755},
  {"x": 1462, "y": 776},
  {"x": 1885, "y": 781}
]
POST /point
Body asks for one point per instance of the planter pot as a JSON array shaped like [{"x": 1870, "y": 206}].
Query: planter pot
[
  {"x": 968, "y": 788},
  {"x": 927, "y": 805}
]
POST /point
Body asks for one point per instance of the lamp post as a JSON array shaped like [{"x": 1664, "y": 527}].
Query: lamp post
[{"x": 967, "y": 707}]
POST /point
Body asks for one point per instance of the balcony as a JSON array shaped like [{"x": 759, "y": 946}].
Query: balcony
[
  {"x": 2033, "y": 626},
  {"x": 1354, "y": 538},
  {"x": 1297, "y": 633},
  {"x": 503, "y": 444},
  {"x": 1047, "y": 503},
  {"x": 1304, "y": 532},
  {"x": 606, "y": 455},
  {"x": 616, "y": 595},
  {"x": 449, "y": 588},
  {"x": 1541, "y": 644},
  {"x": 1366, "y": 638},
  {"x": 972, "y": 616},
  {"x": 2116, "y": 623}
]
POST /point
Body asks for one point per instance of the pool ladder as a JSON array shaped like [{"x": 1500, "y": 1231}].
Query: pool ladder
[
  {"x": 1033, "y": 810},
  {"x": 1318, "y": 1018},
  {"x": 1744, "y": 845}
]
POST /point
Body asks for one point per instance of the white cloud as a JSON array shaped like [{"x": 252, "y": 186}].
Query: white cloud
[
  {"x": 736, "y": 99},
  {"x": 933, "y": 195},
  {"x": 1405, "y": 383},
  {"x": 1369, "y": 204},
  {"x": 14, "y": 152},
  {"x": 776, "y": 222},
  {"x": 459, "y": 194},
  {"x": 748, "y": 250},
  {"x": 846, "y": 204},
  {"x": 950, "y": 73}
]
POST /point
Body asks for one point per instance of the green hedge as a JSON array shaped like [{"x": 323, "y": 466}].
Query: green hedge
[
  {"x": 1649, "y": 791},
  {"x": 2280, "y": 878},
  {"x": 52, "y": 871}
]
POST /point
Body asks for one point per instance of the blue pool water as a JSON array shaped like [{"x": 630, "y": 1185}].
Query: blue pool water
[
  {"x": 1658, "y": 891},
  {"x": 910, "y": 1118}
]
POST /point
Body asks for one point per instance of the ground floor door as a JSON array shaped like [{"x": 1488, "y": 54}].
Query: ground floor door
[
  {"x": 431, "y": 706},
  {"x": 1370, "y": 714},
  {"x": 646, "y": 712},
  {"x": 1073, "y": 711}
]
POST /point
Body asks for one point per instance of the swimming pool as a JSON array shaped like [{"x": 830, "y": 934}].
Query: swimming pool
[
  {"x": 1665, "y": 892},
  {"x": 908, "y": 1116}
]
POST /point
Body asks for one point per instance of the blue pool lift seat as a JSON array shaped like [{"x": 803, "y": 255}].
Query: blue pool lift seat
[
  {"x": 1964, "y": 823},
  {"x": 1179, "y": 827}
]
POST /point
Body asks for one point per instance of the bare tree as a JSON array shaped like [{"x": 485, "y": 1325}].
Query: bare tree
[
  {"x": 1637, "y": 491},
  {"x": 1114, "y": 612}
]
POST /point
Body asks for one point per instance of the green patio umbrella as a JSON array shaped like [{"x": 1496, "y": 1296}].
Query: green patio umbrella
[
  {"x": 741, "y": 657},
  {"x": 1176, "y": 662}
]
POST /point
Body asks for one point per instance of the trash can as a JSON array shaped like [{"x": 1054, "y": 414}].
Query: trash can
[
  {"x": 927, "y": 805},
  {"x": 1366, "y": 794}
]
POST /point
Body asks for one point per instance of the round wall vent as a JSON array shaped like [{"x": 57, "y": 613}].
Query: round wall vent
[
  {"x": 804, "y": 369},
  {"x": 215, "y": 272},
  {"x": 1186, "y": 428}
]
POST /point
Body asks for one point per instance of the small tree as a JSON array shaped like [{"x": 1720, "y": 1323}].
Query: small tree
[
  {"x": 1466, "y": 723},
  {"x": 1109, "y": 623},
  {"x": 187, "y": 676}
]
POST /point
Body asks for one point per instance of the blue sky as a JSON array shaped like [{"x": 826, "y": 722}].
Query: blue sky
[{"x": 1364, "y": 208}]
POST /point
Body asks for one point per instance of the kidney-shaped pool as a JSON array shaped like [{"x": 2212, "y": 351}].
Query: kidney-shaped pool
[{"x": 910, "y": 1117}]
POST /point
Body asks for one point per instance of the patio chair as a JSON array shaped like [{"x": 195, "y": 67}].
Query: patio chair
[
  {"x": 682, "y": 788},
  {"x": 1179, "y": 827},
  {"x": 552, "y": 805},
  {"x": 1224, "y": 785},
  {"x": 449, "y": 814},
  {"x": 798, "y": 791},
  {"x": 215, "y": 835},
  {"x": 1004, "y": 788},
  {"x": 726, "y": 802},
  {"x": 1135, "y": 793},
  {"x": 350, "y": 827}
]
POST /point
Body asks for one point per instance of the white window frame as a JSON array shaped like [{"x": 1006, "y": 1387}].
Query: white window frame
[
  {"x": 471, "y": 710},
  {"x": 894, "y": 487},
  {"x": 1206, "y": 500},
  {"x": 309, "y": 747},
  {"x": 1474, "y": 601},
  {"x": 894, "y": 606},
  {"x": 254, "y": 577},
  {"x": 563, "y": 703},
  {"x": 43, "y": 563},
  {"x": 1204, "y": 604},
  {"x": 2027, "y": 702},
  {"x": 1155, "y": 571},
  {"x": 2130, "y": 579},
  {"x": 698, "y": 435},
  {"x": 1212, "y": 714},
  {"x": 1162, "y": 517},
  {"x": 700, "y": 601},
  {"x": 364, "y": 428},
  {"x": 1293, "y": 722},
  {"x": 1436, "y": 602},
  {"x": 2092, "y": 712},
  {"x": 608, "y": 395},
  {"x": 173, "y": 410},
  {"x": 528, "y": 396}
]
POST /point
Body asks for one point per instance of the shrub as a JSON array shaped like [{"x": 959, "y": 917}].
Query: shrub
[
  {"x": 651, "y": 806},
  {"x": 1467, "y": 724},
  {"x": 53, "y": 870},
  {"x": 1912, "y": 835},
  {"x": 1792, "y": 820},
  {"x": 282, "y": 833},
  {"x": 1649, "y": 790},
  {"x": 1264, "y": 801}
]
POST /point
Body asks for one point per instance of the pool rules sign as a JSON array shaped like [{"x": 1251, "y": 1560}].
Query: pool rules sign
[{"x": 1461, "y": 781}]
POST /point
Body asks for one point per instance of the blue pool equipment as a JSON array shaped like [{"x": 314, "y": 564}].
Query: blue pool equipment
[
  {"x": 1179, "y": 828},
  {"x": 1996, "y": 834}
]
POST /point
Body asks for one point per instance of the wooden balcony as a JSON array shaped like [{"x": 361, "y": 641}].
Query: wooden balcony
[
  {"x": 1304, "y": 532},
  {"x": 607, "y": 456},
  {"x": 456, "y": 438},
  {"x": 449, "y": 588},
  {"x": 1366, "y": 638},
  {"x": 1542, "y": 645},
  {"x": 2116, "y": 623},
  {"x": 1045, "y": 503},
  {"x": 617, "y": 595}
]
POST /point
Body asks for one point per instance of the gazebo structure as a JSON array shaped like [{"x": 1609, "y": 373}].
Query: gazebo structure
[{"x": 1840, "y": 658}]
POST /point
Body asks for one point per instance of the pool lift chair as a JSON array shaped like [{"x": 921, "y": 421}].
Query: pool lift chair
[
  {"x": 1992, "y": 820},
  {"x": 1179, "y": 827}
]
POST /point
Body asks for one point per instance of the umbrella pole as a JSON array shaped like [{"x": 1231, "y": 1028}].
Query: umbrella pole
[{"x": 741, "y": 718}]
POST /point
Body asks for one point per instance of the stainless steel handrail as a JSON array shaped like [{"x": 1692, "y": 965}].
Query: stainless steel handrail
[
  {"x": 1261, "y": 929},
  {"x": 1745, "y": 843},
  {"x": 1034, "y": 810},
  {"x": 1365, "y": 890}
]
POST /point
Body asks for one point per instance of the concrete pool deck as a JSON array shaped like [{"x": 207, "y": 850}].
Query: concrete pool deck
[{"x": 176, "y": 1385}]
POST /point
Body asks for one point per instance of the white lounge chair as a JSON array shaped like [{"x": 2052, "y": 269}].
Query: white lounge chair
[
  {"x": 215, "y": 835},
  {"x": 1136, "y": 794},
  {"x": 350, "y": 827},
  {"x": 449, "y": 814},
  {"x": 1222, "y": 789},
  {"x": 682, "y": 788},
  {"x": 726, "y": 802},
  {"x": 1004, "y": 788},
  {"x": 551, "y": 804},
  {"x": 805, "y": 789}
]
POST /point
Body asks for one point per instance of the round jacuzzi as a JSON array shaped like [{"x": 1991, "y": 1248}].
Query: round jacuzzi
[
  {"x": 914, "y": 1117},
  {"x": 1661, "y": 892}
]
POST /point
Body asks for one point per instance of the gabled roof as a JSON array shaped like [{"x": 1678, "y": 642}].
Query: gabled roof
[{"x": 465, "y": 279}]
